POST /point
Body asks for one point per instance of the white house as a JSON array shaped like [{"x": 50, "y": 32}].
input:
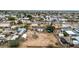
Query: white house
[
  {"x": 61, "y": 35},
  {"x": 39, "y": 29},
  {"x": 63, "y": 20},
  {"x": 15, "y": 37},
  {"x": 1, "y": 35},
  {"x": 65, "y": 25},
  {"x": 34, "y": 25},
  {"x": 8, "y": 30},
  {"x": 13, "y": 27},
  {"x": 24, "y": 36},
  {"x": 71, "y": 32},
  {"x": 76, "y": 40}
]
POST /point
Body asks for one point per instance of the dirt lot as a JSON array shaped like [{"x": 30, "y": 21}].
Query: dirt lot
[{"x": 42, "y": 40}]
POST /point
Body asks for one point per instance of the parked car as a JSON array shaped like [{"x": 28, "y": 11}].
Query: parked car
[{"x": 63, "y": 41}]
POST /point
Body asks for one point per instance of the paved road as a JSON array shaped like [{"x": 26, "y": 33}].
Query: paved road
[{"x": 55, "y": 34}]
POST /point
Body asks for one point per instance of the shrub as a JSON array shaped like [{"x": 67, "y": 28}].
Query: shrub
[
  {"x": 13, "y": 43},
  {"x": 11, "y": 18},
  {"x": 65, "y": 34},
  {"x": 50, "y": 29},
  {"x": 29, "y": 16}
]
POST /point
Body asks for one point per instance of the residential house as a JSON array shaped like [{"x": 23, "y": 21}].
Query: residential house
[
  {"x": 2, "y": 38},
  {"x": 8, "y": 31},
  {"x": 75, "y": 40},
  {"x": 39, "y": 29},
  {"x": 24, "y": 35},
  {"x": 5, "y": 24},
  {"x": 21, "y": 31},
  {"x": 15, "y": 37}
]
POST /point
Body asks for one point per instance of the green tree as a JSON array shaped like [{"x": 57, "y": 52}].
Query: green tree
[
  {"x": 24, "y": 14},
  {"x": 50, "y": 29},
  {"x": 20, "y": 22},
  {"x": 41, "y": 19},
  {"x": 65, "y": 17},
  {"x": 11, "y": 18},
  {"x": 13, "y": 43},
  {"x": 18, "y": 15},
  {"x": 65, "y": 34},
  {"x": 29, "y": 16},
  {"x": 26, "y": 26}
]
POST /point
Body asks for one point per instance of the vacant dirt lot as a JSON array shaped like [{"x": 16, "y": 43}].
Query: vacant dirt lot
[{"x": 41, "y": 40}]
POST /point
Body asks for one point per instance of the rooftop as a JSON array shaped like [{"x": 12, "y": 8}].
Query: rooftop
[{"x": 70, "y": 32}]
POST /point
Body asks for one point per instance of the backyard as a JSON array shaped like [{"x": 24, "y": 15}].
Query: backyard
[{"x": 37, "y": 39}]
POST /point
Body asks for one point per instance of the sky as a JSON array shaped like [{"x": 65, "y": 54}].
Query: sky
[{"x": 39, "y": 4}]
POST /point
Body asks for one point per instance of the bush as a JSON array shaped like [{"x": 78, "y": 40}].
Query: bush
[
  {"x": 35, "y": 36},
  {"x": 50, "y": 29},
  {"x": 41, "y": 19},
  {"x": 51, "y": 46},
  {"x": 65, "y": 34},
  {"x": 11, "y": 18},
  {"x": 26, "y": 26},
  {"x": 29, "y": 16},
  {"x": 65, "y": 17},
  {"x": 13, "y": 43},
  {"x": 20, "y": 22}
]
